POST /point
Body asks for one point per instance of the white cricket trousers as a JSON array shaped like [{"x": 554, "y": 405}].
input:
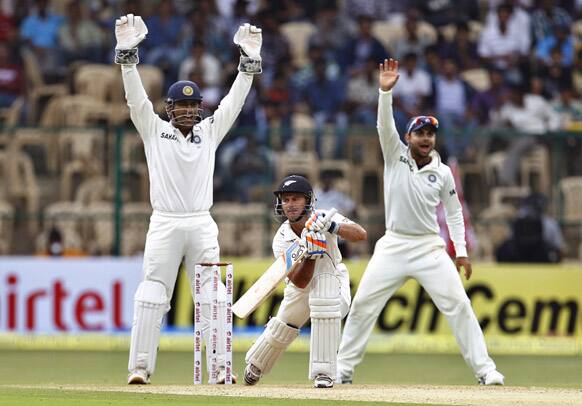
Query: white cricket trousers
[
  {"x": 397, "y": 258},
  {"x": 194, "y": 237}
]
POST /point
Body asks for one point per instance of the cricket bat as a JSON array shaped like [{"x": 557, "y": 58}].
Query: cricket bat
[{"x": 269, "y": 281}]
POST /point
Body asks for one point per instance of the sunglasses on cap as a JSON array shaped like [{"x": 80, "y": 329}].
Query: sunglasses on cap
[{"x": 420, "y": 121}]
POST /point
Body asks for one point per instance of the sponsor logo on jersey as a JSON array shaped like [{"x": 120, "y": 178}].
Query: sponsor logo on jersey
[
  {"x": 169, "y": 136},
  {"x": 452, "y": 192},
  {"x": 405, "y": 160}
]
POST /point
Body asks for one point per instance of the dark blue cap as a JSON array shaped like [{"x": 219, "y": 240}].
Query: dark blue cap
[{"x": 184, "y": 90}]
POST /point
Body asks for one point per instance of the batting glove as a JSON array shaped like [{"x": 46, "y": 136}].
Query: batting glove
[
  {"x": 316, "y": 244},
  {"x": 249, "y": 40},
  {"x": 130, "y": 30},
  {"x": 319, "y": 221}
]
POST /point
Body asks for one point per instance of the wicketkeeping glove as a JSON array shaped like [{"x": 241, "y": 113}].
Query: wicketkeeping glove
[
  {"x": 319, "y": 221},
  {"x": 249, "y": 40},
  {"x": 130, "y": 30},
  {"x": 316, "y": 244}
]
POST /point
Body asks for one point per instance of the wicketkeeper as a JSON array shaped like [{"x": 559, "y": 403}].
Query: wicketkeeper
[
  {"x": 318, "y": 289},
  {"x": 180, "y": 155}
]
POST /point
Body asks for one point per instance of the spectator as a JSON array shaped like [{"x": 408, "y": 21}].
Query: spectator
[
  {"x": 79, "y": 37},
  {"x": 452, "y": 97},
  {"x": 333, "y": 30},
  {"x": 381, "y": 9},
  {"x": 462, "y": 49},
  {"x": 413, "y": 40},
  {"x": 546, "y": 16},
  {"x": 328, "y": 109},
  {"x": 362, "y": 95},
  {"x": 412, "y": 94},
  {"x": 443, "y": 12},
  {"x": 361, "y": 47},
  {"x": 275, "y": 46},
  {"x": 487, "y": 103},
  {"x": 519, "y": 20},
  {"x": 555, "y": 73},
  {"x": 560, "y": 38},
  {"x": 504, "y": 46},
  {"x": 569, "y": 107},
  {"x": 530, "y": 114},
  {"x": 11, "y": 78},
  {"x": 55, "y": 243},
  {"x": 205, "y": 26},
  {"x": 251, "y": 167},
  {"x": 329, "y": 196},
  {"x": 164, "y": 47},
  {"x": 535, "y": 236},
  {"x": 203, "y": 61},
  {"x": 40, "y": 30}
]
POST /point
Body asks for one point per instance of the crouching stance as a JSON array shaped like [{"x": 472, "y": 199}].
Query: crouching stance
[{"x": 318, "y": 289}]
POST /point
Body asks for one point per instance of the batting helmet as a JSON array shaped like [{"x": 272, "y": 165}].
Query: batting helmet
[
  {"x": 294, "y": 184},
  {"x": 183, "y": 90}
]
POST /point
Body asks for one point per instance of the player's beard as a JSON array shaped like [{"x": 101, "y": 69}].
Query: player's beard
[{"x": 296, "y": 216}]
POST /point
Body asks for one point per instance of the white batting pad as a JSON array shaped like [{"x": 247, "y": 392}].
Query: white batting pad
[
  {"x": 271, "y": 344},
  {"x": 150, "y": 305},
  {"x": 324, "y": 306}
]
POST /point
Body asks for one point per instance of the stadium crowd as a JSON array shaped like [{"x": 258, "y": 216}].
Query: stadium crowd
[{"x": 472, "y": 63}]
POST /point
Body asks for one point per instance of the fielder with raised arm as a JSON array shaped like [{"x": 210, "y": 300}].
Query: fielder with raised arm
[
  {"x": 319, "y": 288},
  {"x": 415, "y": 182},
  {"x": 180, "y": 156}
]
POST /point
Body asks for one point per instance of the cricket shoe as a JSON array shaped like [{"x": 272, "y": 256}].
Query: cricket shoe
[
  {"x": 252, "y": 375},
  {"x": 138, "y": 376},
  {"x": 221, "y": 376},
  {"x": 492, "y": 378},
  {"x": 323, "y": 381}
]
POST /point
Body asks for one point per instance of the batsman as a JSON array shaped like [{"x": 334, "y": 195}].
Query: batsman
[
  {"x": 319, "y": 288},
  {"x": 180, "y": 155}
]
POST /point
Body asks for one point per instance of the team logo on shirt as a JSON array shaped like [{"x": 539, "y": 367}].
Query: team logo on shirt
[
  {"x": 196, "y": 139},
  {"x": 432, "y": 178},
  {"x": 187, "y": 90}
]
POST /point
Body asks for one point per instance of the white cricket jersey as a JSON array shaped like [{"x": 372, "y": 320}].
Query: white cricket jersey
[
  {"x": 181, "y": 168},
  {"x": 285, "y": 236},
  {"x": 411, "y": 196}
]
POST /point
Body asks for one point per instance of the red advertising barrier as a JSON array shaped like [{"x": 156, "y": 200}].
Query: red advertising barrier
[{"x": 45, "y": 295}]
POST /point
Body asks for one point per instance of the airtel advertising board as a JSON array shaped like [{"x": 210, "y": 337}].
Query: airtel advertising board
[{"x": 46, "y": 295}]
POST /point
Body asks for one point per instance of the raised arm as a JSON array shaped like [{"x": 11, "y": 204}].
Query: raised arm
[
  {"x": 249, "y": 40},
  {"x": 130, "y": 30},
  {"x": 389, "y": 139}
]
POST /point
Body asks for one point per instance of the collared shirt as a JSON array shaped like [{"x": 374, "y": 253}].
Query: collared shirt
[
  {"x": 411, "y": 195},
  {"x": 181, "y": 168}
]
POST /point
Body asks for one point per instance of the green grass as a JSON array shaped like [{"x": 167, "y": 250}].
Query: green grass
[
  {"x": 175, "y": 368},
  {"x": 110, "y": 368}
]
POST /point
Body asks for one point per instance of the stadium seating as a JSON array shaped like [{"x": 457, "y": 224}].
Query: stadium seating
[{"x": 36, "y": 88}]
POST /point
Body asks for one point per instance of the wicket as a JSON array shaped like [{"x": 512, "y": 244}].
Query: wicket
[{"x": 214, "y": 320}]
